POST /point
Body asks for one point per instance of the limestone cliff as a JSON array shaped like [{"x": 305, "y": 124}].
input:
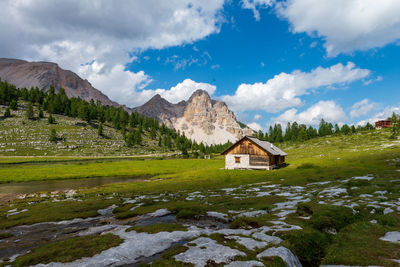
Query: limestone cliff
[{"x": 200, "y": 118}]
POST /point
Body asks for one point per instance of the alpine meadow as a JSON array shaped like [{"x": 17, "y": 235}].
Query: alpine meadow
[{"x": 199, "y": 133}]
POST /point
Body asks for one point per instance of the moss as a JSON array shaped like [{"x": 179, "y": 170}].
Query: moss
[
  {"x": 159, "y": 227},
  {"x": 335, "y": 217},
  {"x": 68, "y": 250},
  {"x": 309, "y": 245}
]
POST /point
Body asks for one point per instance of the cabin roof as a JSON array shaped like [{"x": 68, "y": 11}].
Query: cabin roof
[{"x": 267, "y": 146}]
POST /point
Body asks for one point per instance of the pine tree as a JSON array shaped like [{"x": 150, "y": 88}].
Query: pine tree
[
  {"x": 7, "y": 113},
  {"x": 153, "y": 133},
  {"x": 41, "y": 115},
  {"x": 159, "y": 141},
  {"x": 100, "y": 129},
  {"x": 51, "y": 119},
  {"x": 14, "y": 104},
  {"x": 138, "y": 136},
  {"x": 130, "y": 139},
  {"x": 53, "y": 135},
  {"x": 29, "y": 111}
]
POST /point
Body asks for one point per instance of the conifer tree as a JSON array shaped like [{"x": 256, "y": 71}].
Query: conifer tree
[
  {"x": 53, "y": 135},
  {"x": 100, "y": 129},
  {"x": 7, "y": 113},
  {"x": 29, "y": 111}
]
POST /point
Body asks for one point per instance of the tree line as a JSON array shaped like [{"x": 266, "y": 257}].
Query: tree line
[
  {"x": 131, "y": 125},
  {"x": 300, "y": 132}
]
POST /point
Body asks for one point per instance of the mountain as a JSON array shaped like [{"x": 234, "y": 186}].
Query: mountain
[
  {"x": 44, "y": 74},
  {"x": 200, "y": 118}
]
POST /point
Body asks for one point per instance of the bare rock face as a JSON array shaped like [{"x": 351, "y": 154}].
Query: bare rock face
[
  {"x": 44, "y": 74},
  {"x": 200, "y": 118}
]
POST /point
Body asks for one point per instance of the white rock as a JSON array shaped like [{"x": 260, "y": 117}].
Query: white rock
[
  {"x": 244, "y": 264},
  {"x": 249, "y": 243},
  {"x": 218, "y": 215},
  {"x": 387, "y": 211},
  {"x": 159, "y": 213},
  {"x": 285, "y": 254},
  {"x": 366, "y": 178},
  {"x": 107, "y": 211},
  {"x": 393, "y": 237},
  {"x": 267, "y": 238},
  {"x": 207, "y": 249}
]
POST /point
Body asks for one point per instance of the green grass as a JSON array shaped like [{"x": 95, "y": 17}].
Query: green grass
[
  {"x": 359, "y": 244},
  {"x": 68, "y": 250},
  {"x": 47, "y": 211},
  {"x": 159, "y": 227},
  {"x": 75, "y": 170},
  {"x": 22, "y": 137},
  {"x": 331, "y": 159}
]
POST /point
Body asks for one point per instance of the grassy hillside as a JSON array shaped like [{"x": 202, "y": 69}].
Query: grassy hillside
[
  {"x": 20, "y": 136},
  {"x": 337, "y": 198}
]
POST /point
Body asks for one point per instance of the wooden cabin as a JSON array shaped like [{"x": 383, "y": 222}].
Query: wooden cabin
[
  {"x": 252, "y": 153},
  {"x": 383, "y": 124}
]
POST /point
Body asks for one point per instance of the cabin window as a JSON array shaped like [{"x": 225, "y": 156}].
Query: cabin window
[
  {"x": 250, "y": 145},
  {"x": 241, "y": 145},
  {"x": 237, "y": 159}
]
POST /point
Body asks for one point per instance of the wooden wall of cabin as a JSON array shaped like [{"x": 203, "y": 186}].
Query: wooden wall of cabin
[{"x": 247, "y": 147}]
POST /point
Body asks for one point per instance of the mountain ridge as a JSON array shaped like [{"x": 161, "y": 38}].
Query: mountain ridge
[
  {"x": 200, "y": 118},
  {"x": 43, "y": 74}
]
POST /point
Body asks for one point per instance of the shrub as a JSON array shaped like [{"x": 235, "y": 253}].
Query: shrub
[
  {"x": 245, "y": 222},
  {"x": 307, "y": 166},
  {"x": 332, "y": 217},
  {"x": 7, "y": 114},
  {"x": 309, "y": 245},
  {"x": 303, "y": 209}
]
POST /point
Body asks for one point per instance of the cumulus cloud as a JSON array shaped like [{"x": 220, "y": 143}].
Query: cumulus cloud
[
  {"x": 327, "y": 110},
  {"x": 254, "y": 5},
  {"x": 284, "y": 90},
  {"x": 361, "y": 108},
  {"x": 257, "y": 117},
  {"x": 382, "y": 115},
  {"x": 345, "y": 25},
  {"x": 136, "y": 96},
  {"x": 75, "y": 32},
  {"x": 182, "y": 91},
  {"x": 255, "y": 126}
]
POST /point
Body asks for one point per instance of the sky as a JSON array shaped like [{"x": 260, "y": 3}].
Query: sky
[{"x": 271, "y": 61}]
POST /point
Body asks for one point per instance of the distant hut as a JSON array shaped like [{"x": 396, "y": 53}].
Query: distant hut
[
  {"x": 252, "y": 153},
  {"x": 383, "y": 124}
]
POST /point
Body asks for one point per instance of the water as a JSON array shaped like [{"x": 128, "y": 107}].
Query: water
[{"x": 10, "y": 190}]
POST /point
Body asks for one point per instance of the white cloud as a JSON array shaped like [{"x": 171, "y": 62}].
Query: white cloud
[
  {"x": 118, "y": 84},
  {"x": 345, "y": 25},
  {"x": 254, "y": 5},
  {"x": 361, "y": 108},
  {"x": 382, "y": 115},
  {"x": 183, "y": 90},
  {"x": 127, "y": 87},
  {"x": 284, "y": 90},
  {"x": 257, "y": 117},
  {"x": 75, "y": 32},
  {"x": 328, "y": 110},
  {"x": 255, "y": 126}
]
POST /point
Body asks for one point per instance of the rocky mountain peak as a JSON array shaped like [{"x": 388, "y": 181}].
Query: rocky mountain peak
[
  {"x": 200, "y": 94},
  {"x": 200, "y": 118}
]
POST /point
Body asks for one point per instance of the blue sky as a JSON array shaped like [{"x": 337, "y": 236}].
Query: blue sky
[{"x": 270, "y": 61}]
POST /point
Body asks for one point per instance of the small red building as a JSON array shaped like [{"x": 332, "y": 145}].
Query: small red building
[{"x": 383, "y": 124}]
